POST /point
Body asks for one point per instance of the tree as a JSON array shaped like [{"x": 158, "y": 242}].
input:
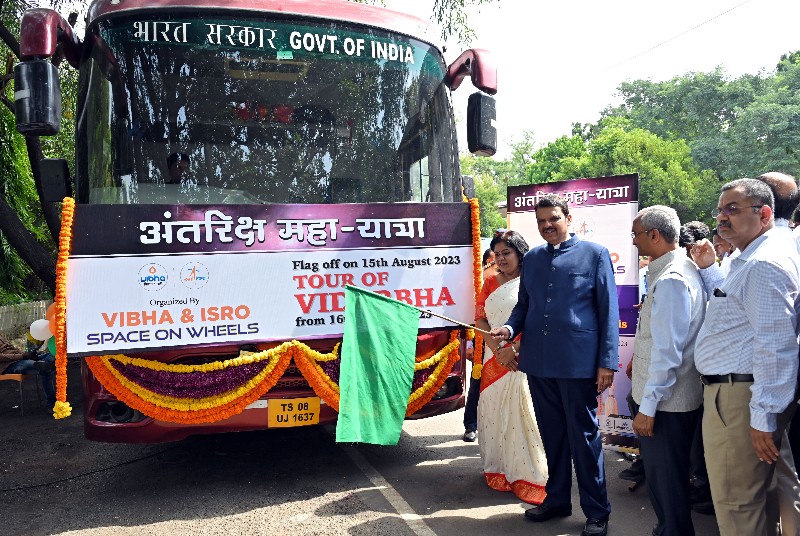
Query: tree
[
  {"x": 490, "y": 189},
  {"x": 766, "y": 135},
  {"x": 668, "y": 175},
  {"x": 555, "y": 161},
  {"x": 734, "y": 127},
  {"x": 26, "y": 245},
  {"x": 451, "y": 16}
]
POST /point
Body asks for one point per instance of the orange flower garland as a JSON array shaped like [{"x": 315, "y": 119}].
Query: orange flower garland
[
  {"x": 219, "y": 407},
  {"x": 477, "y": 277},
  {"x": 449, "y": 355},
  {"x": 321, "y": 383},
  {"x": 202, "y": 410},
  {"x": 193, "y": 411},
  {"x": 62, "y": 408},
  {"x": 328, "y": 390}
]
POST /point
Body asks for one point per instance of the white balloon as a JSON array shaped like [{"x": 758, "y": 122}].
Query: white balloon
[{"x": 40, "y": 330}]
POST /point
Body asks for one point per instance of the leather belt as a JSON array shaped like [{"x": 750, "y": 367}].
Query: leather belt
[{"x": 709, "y": 379}]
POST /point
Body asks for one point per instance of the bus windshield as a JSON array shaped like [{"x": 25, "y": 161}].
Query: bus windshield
[{"x": 189, "y": 108}]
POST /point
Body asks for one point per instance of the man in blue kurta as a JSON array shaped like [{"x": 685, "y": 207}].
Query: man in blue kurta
[{"x": 568, "y": 314}]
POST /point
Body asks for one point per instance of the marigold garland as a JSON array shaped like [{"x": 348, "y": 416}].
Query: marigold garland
[
  {"x": 447, "y": 358},
  {"x": 328, "y": 390},
  {"x": 477, "y": 276},
  {"x": 317, "y": 379},
  {"x": 218, "y": 407},
  {"x": 193, "y": 411},
  {"x": 62, "y": 408},
  {"x": 225, "y": 405}
]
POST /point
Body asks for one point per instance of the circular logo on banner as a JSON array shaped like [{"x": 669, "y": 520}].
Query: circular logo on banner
[
  {"x": 194, "y": 275},
  {"x": 153, "y": 276}
]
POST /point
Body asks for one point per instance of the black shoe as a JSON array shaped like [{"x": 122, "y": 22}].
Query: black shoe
[
  {"x": 470, "y": 436},
  {"x": 634, "y": 473},
  {"x": 595, "y": 527},
  {"x": 44, "y": 366},
  {"x": 706, "y": 508},
  {"x": 543, "y": 512}
]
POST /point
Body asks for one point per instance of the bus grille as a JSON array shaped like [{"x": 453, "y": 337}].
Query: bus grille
[{"x": 292, "y": 379}]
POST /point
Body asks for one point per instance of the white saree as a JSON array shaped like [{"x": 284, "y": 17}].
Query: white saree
[{"x": 511, "y": 447}]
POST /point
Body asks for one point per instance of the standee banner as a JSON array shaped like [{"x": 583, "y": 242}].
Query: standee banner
[
  {"x": 602, "y": 210},
  {"x": 142, "y": 277}
]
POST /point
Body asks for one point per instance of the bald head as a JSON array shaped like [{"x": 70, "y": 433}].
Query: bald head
[{"x": 784, "y": 188}]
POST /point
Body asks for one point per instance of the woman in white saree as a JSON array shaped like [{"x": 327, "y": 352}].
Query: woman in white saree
[{"x": 510, "y": 444}]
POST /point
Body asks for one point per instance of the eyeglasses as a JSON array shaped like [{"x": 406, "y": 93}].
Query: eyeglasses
[
  {"x": 730, "y": 210},
  {"x": 634, "y": 235}
]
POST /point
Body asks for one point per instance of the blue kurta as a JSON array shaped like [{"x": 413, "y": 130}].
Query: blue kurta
[{"x": 567, "y": 311}]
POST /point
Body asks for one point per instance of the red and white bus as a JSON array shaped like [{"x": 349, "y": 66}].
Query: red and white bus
[{"x": 238, "y": 163}]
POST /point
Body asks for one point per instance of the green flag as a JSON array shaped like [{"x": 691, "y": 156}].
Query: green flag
[{"x": 377, "y": 367}]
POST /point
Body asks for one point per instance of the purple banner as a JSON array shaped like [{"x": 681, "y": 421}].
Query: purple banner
[
  {"x": 578, "y": 193},
  {"x": 628, "y": 297},
  {"x": 104, "y": 230}
]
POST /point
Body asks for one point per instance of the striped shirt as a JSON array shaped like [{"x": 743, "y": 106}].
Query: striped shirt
[{"x": 752, "y": 327}]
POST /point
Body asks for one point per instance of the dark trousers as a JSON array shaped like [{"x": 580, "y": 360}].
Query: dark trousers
[
  {"x": 794, "y": 438},
  {"x": 632, "y": 405},
  {"x": 566, "y": 411},
  {"x": 698, "y": 457},
  {"x": 666, "y": 463},
  {"x": 471, "y": 406}
]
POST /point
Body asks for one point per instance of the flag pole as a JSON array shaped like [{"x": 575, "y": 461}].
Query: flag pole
[{"x": 470, "y": 326}]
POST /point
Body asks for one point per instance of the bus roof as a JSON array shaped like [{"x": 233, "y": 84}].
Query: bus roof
[{"x": 378, "y": 17}]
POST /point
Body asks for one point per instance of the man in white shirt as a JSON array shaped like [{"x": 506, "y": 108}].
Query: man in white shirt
[{"x": 747, "y": 355}]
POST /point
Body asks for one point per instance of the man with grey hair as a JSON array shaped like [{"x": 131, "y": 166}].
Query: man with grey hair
[
  {"x": 664, "y": 377},
  {"x": 746, "y": 353}
]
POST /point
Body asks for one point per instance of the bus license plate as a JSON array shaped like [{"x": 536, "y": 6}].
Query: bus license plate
[{"x": 286, "y": 412}]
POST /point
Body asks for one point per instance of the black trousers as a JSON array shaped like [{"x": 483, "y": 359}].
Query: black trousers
[
  {"x": 666, "y": 463},
  {"x": 566, "y": 410},
  {"x": 471, "y": 406}
]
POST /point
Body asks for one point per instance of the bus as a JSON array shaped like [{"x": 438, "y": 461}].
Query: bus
[{"x": 238, "y": 164}]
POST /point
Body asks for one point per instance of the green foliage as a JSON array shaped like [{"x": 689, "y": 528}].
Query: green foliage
[
  {"x": 489, "y": 176},
  {"x": 684, "y": 137},
  {"x": 19, "y": 190},
  {"x": 668, "y": 175},
  {"x": 17, "y": 282},
  {"x": 451, "y": 16},
  {"x": 734, "y": 127},
  {"x": 556, "y": 160},
  {"x": 63, "y": 144},
  {"x": 489, "y": 195},
  {"x": 766, "y": 135}
]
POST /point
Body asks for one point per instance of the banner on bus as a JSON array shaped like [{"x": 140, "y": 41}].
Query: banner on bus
[
  {"x": 602, "y": 211},
  {"x": 142, "y": 277}
]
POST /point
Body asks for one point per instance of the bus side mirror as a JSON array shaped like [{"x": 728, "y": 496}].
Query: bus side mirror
[
  {"x": 55, "y": 179},
  {"x": 37, "y": 98},
  {"x": 468, "y": 185},
  {"x": 479, "y": 64},
  {"x": 481, "y": 132}
]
